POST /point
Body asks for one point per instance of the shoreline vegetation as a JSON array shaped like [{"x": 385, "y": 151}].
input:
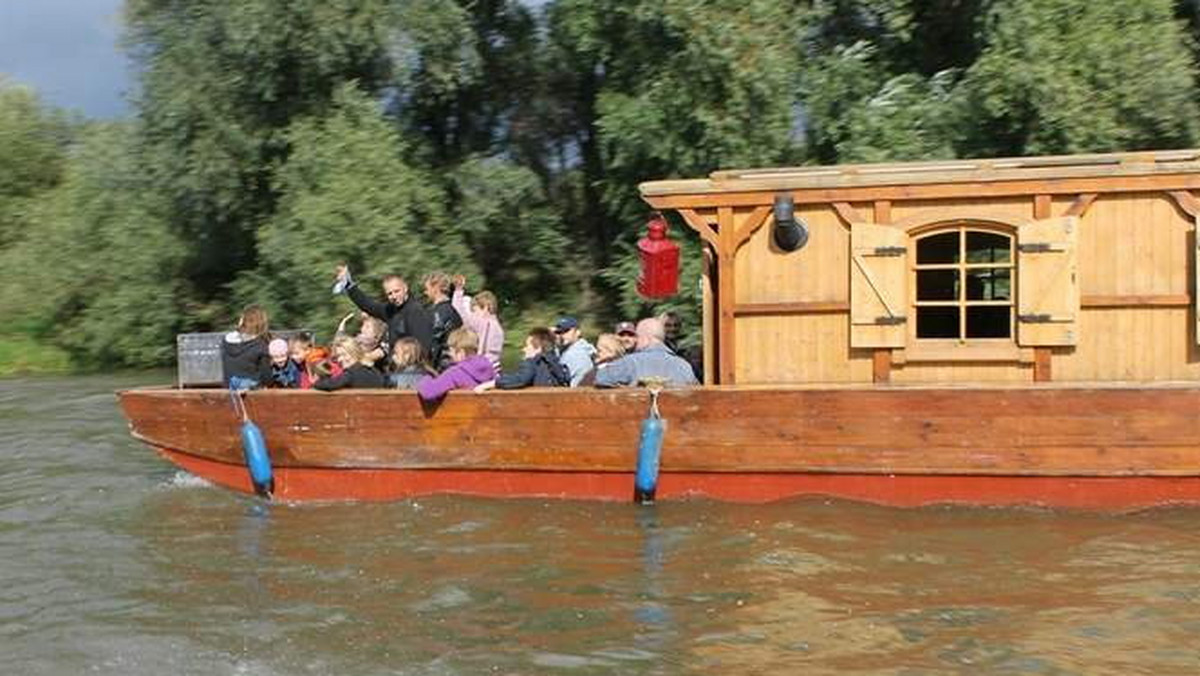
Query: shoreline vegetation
[
  {"x": 25, "y": 356},
  {"x": 505, "y": 141}
]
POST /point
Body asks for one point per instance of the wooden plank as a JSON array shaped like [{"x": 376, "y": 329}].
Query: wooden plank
[
  {"x": 1186, "y": 201},
  {"x": 1041, "y": 206},
  {"x": 708, "y": 313},
  {"x": 1053, "y": 431},
  {"x": 881, "y": 365},
  {"x": 751, "y": 223},
  {"x": 1118, "y": 301},
  {"x": 726, "y": 297},
  {"x": 895, "y": 193},
  {"x": 883, "y": 212},
  {"x": 847, "y": 213},
  {"x": 1041, "y": 365},
  {"x": 798, "y": 308},
  {"x": 1081, "y": 204},
  {"x": 700, "y": 224}
]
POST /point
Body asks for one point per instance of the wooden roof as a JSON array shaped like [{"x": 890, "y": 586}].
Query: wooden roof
[{"x": 1147, "y": 163}]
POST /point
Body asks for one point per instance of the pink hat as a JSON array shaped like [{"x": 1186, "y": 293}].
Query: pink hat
[{"x": 278, "y": 348}]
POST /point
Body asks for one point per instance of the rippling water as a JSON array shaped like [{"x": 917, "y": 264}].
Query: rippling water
[{"x": 111, "y": 562}]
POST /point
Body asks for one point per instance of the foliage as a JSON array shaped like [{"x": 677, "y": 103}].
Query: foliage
[
  {"x": 505, "y": 139},
  {"x": 347, "y": 195},
  {"x": 99, "y": 273},
  {"x": 220, "y": 83},
  {"x": 32, "y": 139},
  {"x": 1065, "y": 76}
]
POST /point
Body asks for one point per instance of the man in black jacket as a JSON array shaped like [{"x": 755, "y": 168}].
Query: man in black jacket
[{"x": 404, "y": 315}]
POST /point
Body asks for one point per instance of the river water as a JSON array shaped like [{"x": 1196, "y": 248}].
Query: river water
[{"x": 112, "y": 562}]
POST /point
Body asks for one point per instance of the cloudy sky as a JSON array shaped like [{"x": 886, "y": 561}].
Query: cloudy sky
[{"x": 67, "y": 50}]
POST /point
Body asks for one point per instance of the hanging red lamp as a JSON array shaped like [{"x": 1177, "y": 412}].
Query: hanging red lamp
[{"x": 660, "y": 261}]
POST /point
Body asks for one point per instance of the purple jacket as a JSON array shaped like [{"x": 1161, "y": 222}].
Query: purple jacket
[{"x": 464, "y": 375}]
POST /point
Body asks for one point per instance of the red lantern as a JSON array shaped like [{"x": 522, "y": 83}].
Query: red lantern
[{"x": 660, "y": 261}]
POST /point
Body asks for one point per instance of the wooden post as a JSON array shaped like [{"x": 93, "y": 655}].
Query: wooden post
[
  {"x": 1041, "y": 355},
  {"x": 881, "y": 358},
  {"x": 726, "y": 295}
]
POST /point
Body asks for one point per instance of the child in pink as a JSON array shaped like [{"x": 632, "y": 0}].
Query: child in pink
[{"x": 479, "y": 315}]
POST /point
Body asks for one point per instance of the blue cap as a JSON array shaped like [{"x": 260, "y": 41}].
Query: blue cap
[{"x": 565, "y": 324}]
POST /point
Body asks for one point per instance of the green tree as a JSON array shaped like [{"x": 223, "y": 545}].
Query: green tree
[
  {"x": 1065, "y": 76},
  {"x": 33, "y": 139},
  {"x": 220, "y": 83},
  {"x": 100, "y": 272},
  {"x": 347, "y": 194}
]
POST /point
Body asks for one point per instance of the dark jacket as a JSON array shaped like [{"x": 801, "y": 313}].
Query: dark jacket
[
  {"x": 357, "y": 376},
  {"x": 409, "y": 319},
  {"x": 287, "y": 375},
  {"x": 245, "y": 358},
  {"x": 445, "y": 320},
  {"x": 543, "y": 370}
]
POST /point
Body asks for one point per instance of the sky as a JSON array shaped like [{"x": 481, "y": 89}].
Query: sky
[{"x": 67, "y": 51}]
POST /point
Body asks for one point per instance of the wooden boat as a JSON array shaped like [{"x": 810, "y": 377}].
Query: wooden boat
[{"x": 1007, "y": 331}]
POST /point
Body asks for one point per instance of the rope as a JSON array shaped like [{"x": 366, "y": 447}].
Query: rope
[
  {"x": 655, "y": 387},
  {"x": 239, "y": 406}
]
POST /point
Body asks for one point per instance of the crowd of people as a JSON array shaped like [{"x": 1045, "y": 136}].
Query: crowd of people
[{"x": 451, "y": 342}]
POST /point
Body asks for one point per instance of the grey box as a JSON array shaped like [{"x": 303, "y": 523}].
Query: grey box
[{"x": 199, "y": 357}]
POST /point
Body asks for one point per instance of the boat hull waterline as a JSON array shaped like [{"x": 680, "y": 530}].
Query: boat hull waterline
[{"x": 1092, "y": 447}]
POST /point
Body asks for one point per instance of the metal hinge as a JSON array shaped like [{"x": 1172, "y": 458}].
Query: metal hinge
[
  {"x": 890, "y": 251},
  {"x": 890, "y": 321},
  {"x": 1040, "y": 247}
]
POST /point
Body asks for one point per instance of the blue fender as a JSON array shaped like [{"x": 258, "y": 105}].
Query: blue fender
[
  {"x": 649, "y": 451},
  {"x": 258, "y": 461}
]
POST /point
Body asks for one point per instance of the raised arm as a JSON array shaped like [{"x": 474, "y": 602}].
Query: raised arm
[{"x": 367, "y": 304}]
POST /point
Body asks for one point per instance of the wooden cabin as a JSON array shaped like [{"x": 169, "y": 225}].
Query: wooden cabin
[{"x": 1071, "y": 268}]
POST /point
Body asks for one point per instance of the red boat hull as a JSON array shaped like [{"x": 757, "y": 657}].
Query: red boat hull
[{"x": 1078, "y": 447}]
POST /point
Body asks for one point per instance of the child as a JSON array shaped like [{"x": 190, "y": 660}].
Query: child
[
  {"x": 468, "y": 370},
  {"x": 479, "y": 315},
  {"x": 541, "y": 367},
  {"x": 358, "y": 371},
  {"x": 244, "y": 357},
  {"x": 609, "y": 348},
  {"x": 371, "y": 334},
  {"x": 308, "y": 357},
  {"x": 284, "y": 371},
  {"x": 408, "y": 359}
]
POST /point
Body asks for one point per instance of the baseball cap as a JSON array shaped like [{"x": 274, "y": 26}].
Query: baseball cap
[
  {"x": 625, "y": 327},
  {"x": 565, "y": 324}
]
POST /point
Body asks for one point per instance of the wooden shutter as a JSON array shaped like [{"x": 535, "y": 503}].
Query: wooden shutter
[
  {"x": 878, "y": 285},
  {"x": 1047, "y": 284}
]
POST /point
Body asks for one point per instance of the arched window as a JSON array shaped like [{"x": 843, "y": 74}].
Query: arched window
[{"x": 964, "y": 276}]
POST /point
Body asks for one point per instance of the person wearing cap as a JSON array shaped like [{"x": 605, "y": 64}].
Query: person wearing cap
[
  {"x": 573, "y": 349},
  {"x": 652, "y": 360},
  {"x": 284, "y": 371},
  {"x": 627, "y": 334}
]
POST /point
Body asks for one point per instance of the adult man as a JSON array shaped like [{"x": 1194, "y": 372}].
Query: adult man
[
  {"x": 627, "y": 334},
  {"x": 573, "y": 350},
  {"x": 673, "y": 331},
  {"x": 404, "y": 316},
  {"x": 652, "y": 360}
]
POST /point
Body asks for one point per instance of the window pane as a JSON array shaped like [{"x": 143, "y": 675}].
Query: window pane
[
  {"x": 988, "y": 247},
  {"x": 989, "y": 322},
  {"x": 937, "y": 322},
  {"x": 989, "y": 284},
  {"x": 941, "y": 248},
  {"x": 937, "y": 284}
]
